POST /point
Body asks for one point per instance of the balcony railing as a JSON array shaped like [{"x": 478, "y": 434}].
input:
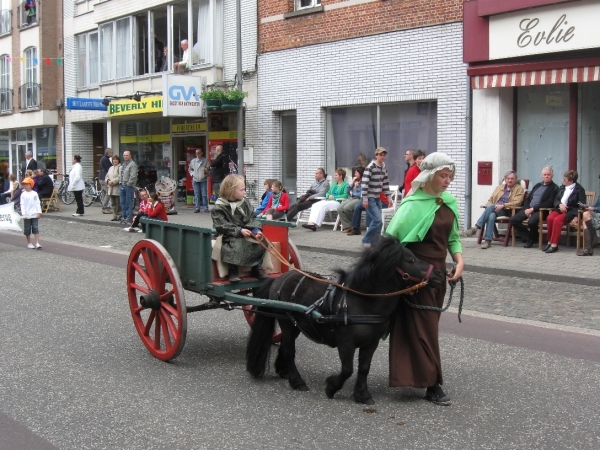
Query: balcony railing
[
  {"x": 5, "y": 22},
  {"x": 29, "y": 96},
  {"x": 29, "y": 15},
  {"x": 6, "y": 100}
]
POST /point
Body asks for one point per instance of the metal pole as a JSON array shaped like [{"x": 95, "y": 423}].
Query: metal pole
[{"x": 240, "y": 124}]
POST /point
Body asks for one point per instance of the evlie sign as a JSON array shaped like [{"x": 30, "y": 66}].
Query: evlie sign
[
  {"x": 181, "y": 94},
  {"x": 556, "y": 28}
]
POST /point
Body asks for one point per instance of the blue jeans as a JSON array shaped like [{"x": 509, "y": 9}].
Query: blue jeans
[
  {"x": 126, "y": 198},
  {"x": 488, "y": 218},
  {"x": 30, "y": 226},
  {"x": 200, "y": 197},
  {"x": 358, "y": 209},
  {"x": 374, "y": 220}
]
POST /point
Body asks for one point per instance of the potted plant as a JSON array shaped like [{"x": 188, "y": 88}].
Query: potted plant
[
  {"x": 233, "y": 99},
  {"x": 212, "y": 99}
]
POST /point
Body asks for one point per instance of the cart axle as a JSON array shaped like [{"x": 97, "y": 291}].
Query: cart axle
[{"x": 150, "y": 300}]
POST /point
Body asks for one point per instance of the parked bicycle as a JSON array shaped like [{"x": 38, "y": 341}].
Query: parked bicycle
[
  {"x": 64, "y": 194},
  {"x": 93, "y": 191}
]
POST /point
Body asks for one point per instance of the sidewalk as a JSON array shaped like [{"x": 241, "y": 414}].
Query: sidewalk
[{"x": 519, "y": 262}]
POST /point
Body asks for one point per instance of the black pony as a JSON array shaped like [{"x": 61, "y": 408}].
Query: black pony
[{"x": 384, "y": 268}]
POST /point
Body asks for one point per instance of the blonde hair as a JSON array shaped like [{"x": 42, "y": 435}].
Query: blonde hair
[
  {"x": 278, "y": 184},
  {"x": 229, "y": 184},
  {"x": 28, "y": 173}
]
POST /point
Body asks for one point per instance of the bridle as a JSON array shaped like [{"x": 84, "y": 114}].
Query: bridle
[{"x": 269, "y": 247}]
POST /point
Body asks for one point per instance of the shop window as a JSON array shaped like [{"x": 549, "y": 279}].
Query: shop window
[
  {"x": 5, "y": 86},
  {"x": 45, "y": 143},
  {"x": 542, "y": 130},
  {"x": 589, "y": 137},
  {"x": 87, "y": 59},
  {"x": 5, "y": 17},
  {"x": 302, "y": 4},
  {"x": 354, "y": 134}
]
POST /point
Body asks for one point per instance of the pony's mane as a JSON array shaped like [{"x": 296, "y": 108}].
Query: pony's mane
[{"x": 376, "y": 266}]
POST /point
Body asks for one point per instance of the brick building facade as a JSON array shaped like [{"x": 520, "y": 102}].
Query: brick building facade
[
  {"x": 339, "y": 78},
  {"x": 31, "y": 84}
]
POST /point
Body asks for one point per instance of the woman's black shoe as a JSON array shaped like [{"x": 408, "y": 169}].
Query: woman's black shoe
[
  {"x": 258, "y": 272},
  {"x": 436, "y": 395},
  {"x": 528, "y": 244},
  {"x": 546, "y": 247},
  {"x": 234, "y": 276},
  {"x": 310, "y": 227},
  {"x": 551, "y": 250}
]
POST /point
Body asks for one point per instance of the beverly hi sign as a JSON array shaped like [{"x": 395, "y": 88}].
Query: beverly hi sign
[{"x": 557, "y": 28}]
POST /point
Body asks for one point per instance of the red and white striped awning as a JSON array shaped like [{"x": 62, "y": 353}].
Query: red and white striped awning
[{"x": 537, "y": 77}]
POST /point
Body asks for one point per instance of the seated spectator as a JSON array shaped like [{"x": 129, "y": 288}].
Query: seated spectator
[
  {"x": 278, "y": 203},
  {"x": 507, "y": 195},
  {"x": 357, "y": 213},
  {"x": 6, "y": 196},
  {"x": 265, "y": 197},
  {"x": 233, "y": 220},
  {"x": 566, "y": 206},
  {"x": 591, "y": 221},
  {"x": 315, "y": 193},
  {"x": 346, "y": 208},
  {"x": 414, "y": 170},
  {"x": 541, "y": 196},
  {"x": 45, "y": 184},
  {"x": 337, "y": 191},
  {"x": 142, "y": 212},
  {"x": 156, "y": 209}
]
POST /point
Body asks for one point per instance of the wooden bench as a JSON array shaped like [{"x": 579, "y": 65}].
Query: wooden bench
[{"x": 51, "y": 202}]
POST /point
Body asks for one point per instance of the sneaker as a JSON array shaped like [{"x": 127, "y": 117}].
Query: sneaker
[
  {"x": 140, "y": 231},
  {"x": 436, "y": 395},
  {"x": 486, "y": 244},
  {"x": 76, "y": 215},
  {"x": 134, "y": 229},
  {"x": 127, "y": 229},
  {"x": 30, "y": 245},
  {"x": 471, "y": 231},
  {"x": 38, "y": 246},
  {"x": 366, "y": 245}
]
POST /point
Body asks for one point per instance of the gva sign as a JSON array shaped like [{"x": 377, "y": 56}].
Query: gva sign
[
  {"x": 177, "y": 92},
  {"x": 181, "y": 93}
]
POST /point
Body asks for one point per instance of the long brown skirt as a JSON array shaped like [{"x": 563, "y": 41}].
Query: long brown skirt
[{"x": 414, "y": 346}]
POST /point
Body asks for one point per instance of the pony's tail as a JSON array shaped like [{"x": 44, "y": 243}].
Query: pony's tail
[
  {"x": 261, "y": 334},
  {"x": 259, "y": 344}
]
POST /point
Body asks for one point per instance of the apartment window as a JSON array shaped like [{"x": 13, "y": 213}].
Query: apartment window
[
  {"x": 207, "y": 31},
  {"x": 29, "y": 13},
  {"x": 301, "y": 4},
  {"x": 5, "y": 16},
  {"x": 116, "y": 60},
  {"x": 87, "y": 59},
  {"x": 5, "y": 87},
  {"x": 29, "y": 93}
]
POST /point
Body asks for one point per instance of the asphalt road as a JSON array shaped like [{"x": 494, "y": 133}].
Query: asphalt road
[{"x": 74, "y": 374}]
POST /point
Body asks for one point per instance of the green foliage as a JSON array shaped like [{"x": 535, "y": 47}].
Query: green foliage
[
  {"x": 235, "y": 94},
  {"x": 216, "y": 94}
]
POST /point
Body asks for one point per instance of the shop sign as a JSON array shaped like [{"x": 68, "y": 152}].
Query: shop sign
[
  {"x": 145, "y": 138},
  {"x": 87, "y": 104},
  {"x": 555, "y": 28},
  {"x": 182, "y": 96},
  {"x": 188, "y": 127},
  {"x": 129, "y": 107}
]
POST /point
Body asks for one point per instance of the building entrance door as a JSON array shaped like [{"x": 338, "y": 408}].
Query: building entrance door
[
  {"x": 289, "y": 155},
  {"x": 18, "y": 156}
]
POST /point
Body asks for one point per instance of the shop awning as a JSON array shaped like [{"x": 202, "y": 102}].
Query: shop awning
[{"x": 537, "y": 77}]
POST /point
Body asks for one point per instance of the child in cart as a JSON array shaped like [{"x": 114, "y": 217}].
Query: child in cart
[
  {"x": 233, "y": 219},
  {"x": 31, "y": 211}
]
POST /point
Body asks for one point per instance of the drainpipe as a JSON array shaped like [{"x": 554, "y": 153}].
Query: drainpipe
[
  {"x": 240, "y": 117},
  {"x": 468, "y": 154}
]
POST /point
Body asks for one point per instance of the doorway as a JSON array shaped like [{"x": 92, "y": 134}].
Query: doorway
[
  {"x": 289, "y": 155},
  {"x": 184, "y": 150}
]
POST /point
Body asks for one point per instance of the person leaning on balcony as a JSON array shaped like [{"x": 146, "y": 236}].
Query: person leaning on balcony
[
  {"x": 541, "y": 196},
  {"x": 508, "y": 195},
  {"x": 566, "y": 205},
  {"x": 187, "y": 59}
]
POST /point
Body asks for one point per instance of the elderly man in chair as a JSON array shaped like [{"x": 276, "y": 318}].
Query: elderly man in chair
[
  {"x": 541, "y": 196},
  {"x": 508, "y": 195}
]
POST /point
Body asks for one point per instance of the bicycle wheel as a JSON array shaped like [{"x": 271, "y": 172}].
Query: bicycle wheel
[
  {"x": 88, "y": 196},
  {"x": 67, "y": 197}
]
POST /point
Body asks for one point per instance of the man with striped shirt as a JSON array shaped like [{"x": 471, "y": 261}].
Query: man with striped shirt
[{"x": 374, "y": 181}]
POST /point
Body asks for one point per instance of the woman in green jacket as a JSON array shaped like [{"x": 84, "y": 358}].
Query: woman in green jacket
[{"x": 336, "y": 193}]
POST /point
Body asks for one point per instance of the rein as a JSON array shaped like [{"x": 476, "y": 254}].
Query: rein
[
  {"x": 420, "y": 283},
  {"x": 445, "y": 308}
]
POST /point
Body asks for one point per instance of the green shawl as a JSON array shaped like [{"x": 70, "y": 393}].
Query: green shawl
[{"x": 415, "y": 216}]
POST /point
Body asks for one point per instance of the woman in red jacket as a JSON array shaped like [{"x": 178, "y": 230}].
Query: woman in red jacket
[
  {"x": 278, "y": 204},
  {"x": 156, "y": 210},
  {"x": 414, "y": 170}
]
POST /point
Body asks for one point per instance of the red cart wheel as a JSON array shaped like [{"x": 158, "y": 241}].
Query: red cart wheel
[
  {"x": 249, "y": 309},
  {"x": 156, "y": 299}
]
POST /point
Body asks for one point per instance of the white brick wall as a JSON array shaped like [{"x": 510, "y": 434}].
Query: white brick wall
[
  {"x": 249, "y": 37},
  {"x": 418, "y": 64}
]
